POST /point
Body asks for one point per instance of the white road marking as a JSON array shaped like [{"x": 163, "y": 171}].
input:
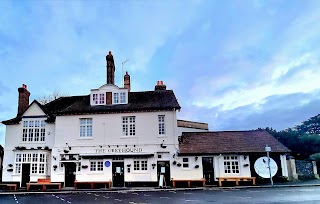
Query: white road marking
[
  {"x": 165, "y": 197},
  {"x": 105, "y": 197},
  {"x": 192, "y": 200},
  {"x": 117, "y": 199}
]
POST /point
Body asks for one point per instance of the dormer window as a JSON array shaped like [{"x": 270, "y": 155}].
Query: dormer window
[
  {"x": 98, "y": 99},
  {"x": 122, "y": 97},
  {"x": 115, "y": 98},
  {"x": 108, "y": 95},
  {"x": 119, "y": 98},
  {"x": 101, "y": 98},
  {"x": 95, "y": 98}
]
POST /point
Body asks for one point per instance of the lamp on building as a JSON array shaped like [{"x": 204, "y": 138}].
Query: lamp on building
[
  {"x": 163, "y": 146},
  {"x": 68, "y": 146}
]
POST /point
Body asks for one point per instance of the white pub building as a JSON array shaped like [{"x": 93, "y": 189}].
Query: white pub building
[{"x": 112, "y": 134}]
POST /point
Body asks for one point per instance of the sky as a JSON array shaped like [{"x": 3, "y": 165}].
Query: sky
[{"x": 234, "y": 64}]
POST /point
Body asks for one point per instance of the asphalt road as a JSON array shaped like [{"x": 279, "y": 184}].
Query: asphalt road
[{"x": 305, "y": 195}]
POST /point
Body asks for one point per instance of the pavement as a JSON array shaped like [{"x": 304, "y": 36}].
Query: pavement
[{"x": 305, "y": 183}]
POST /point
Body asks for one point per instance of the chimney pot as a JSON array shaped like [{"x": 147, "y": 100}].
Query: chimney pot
[{"x": 160, "y": 86}]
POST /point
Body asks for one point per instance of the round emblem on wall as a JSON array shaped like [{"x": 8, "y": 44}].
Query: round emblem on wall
[
  {"x": 261, "y": 167},
  {"x": 107, "y": 163}
]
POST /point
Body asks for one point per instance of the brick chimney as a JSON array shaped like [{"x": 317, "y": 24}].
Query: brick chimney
[
  {"x": 23, "y": 101},
  {"x": 110, "y": 68},
  {"x": 160, "y": 86},
  {"x": 127, "y": 81}
]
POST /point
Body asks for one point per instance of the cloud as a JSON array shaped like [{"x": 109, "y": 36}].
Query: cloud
[{"x": 279, "y": 112}]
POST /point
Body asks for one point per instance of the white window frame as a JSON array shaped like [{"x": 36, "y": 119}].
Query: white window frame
[
  {"x": 129, "y": 125},
  {"x": 140, "y": 164},
  {"x": 38, "y": 162},
  {"x": 96, "y": 165},
  {"x": 122, "y": 97},
  {"x": 86, "y": 128},
  {"x": 161, "y": 125},
  {"x": 34, "y": 131},
  {"x": 95, "y": 99},
  {"x": 231, "y": 165},
  {"x": 116, "y": 98},
  {"x": 102, "y": 98}
]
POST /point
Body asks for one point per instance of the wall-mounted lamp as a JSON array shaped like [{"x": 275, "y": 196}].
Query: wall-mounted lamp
[
  {"x": 245, "y": 157},
  {"x": 174, "y": 155},
  {"x": 153, "y": 165},
  {"x": 68, "y": 146},
  {"x": 108, "y": 145},
  {"x": 55, "y": 158},
  {"x": 163, "y": 146},
  {"x": 126, "y": 145},
  {"x": 100, "y": 146},
  {"x": 196, "y": 158},
  {"x": 117, "y": 145},
  {"x": 134, "y": 145}
]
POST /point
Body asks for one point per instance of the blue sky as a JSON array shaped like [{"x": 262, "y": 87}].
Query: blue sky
[{"x": 236, "y": 65}]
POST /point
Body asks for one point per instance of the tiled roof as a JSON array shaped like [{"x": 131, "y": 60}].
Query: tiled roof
[
  {"x": 138, "y": 101},
  {"x": 228, "y": 142}
]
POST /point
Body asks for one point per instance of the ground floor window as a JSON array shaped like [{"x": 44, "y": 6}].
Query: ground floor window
[
  {"x": 140, "y": 165},
  {"x": 231, "y": 164},
  {"x": 185, "y": 162},
  {"x": 38, "y": 162},
  {"x": 96, "y": 165}
]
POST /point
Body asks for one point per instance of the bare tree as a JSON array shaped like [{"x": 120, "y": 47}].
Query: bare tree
[{"x": 51, "y": 97}]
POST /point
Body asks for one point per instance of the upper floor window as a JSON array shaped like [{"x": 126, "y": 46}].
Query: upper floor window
[
  {"x": 95, "y": 98},
  {"x": 85, "y": 127},
  {"x": 231, "y": 164},
  {"x": 119, "y": 97},
  {"x": 122, "y": 97},
  {"x": 101, "y": 98},
  {"x": 33, "y": 131},
  {"x": 161, "y": 125},
  {"x": 115, "y": 98},
  {"x": 129, "y": 125},
  {"x": 98, "y": 98}
]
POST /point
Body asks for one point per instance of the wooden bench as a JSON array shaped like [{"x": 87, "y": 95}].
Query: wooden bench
[
  {"x": 11, "y": 186},
  {"x": 44, "y": 183},
  {"x": 92, "y": 183},
  {"x": 189, "y": 181},
  {"x": 237, "y": 179}
]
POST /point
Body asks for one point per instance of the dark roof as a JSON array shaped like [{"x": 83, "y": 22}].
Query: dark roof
[
  {"x": 137, "y": 101},
  {"x": 228, "y": 142}
]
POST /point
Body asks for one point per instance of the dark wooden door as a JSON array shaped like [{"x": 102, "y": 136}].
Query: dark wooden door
[
  {"x": 118, "y": 174},
  {"x": 25, "y": 174},
  {"x": 70, "y": 174},
  {"x": 208, "y": 170},
  {"x": 163, "y": 168}
]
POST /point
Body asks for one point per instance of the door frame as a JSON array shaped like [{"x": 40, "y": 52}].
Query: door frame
[
  {"x": 167, "y": 173},
  {"x": 113, "y": 173},
  {"x": 69, "y": 165},
  {"x": 25, "y": 181},
  {"x": 211, "y": 175}
]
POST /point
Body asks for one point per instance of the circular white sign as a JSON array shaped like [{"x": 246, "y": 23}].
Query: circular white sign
[{"x": 261, "y": 167}]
